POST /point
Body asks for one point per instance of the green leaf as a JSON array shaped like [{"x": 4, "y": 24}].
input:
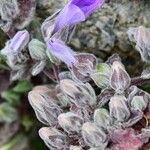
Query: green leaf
[
  {"x": 11, "y": 97},
  {"x": 103, "y": 68},
  {"x": 101, "y": 76},
  {"x": 7, "y": 113},
  {"x": 3, "y": 64},
  {"x": 22, "y": 87},
  {"x": 27, "y": 122}
]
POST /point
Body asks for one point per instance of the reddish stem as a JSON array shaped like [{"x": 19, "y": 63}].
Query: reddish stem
[{"x": 138, "y": 81}]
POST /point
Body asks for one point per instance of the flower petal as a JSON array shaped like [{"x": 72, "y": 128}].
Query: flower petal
[
  {"x": 88, "y": 6},
  {"x": 61, "y": 51},
  {"x": 69, "y": 16}
]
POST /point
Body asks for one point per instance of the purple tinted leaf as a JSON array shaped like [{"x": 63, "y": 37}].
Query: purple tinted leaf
[
  {"x": 93, "y": 135},
  {"x": 78, "y": 93},
  {"x": 43, "y": 101},
  {"x": 53, "y": 138},
  {"x": 113, "y": 58},
  {"x": 135, "y": 91},
  {"x": 135, "y": 117},
  {"x": 125, "y": 139},
  {"x": 104, "y": 97},
  {"x": 86, "y": 64},
  {"x": 70, "y": 122},
  {"x": 120, "y": 79},
  {"x": 118, "y": 108}
]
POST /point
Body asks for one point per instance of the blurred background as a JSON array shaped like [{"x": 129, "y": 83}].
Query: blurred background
[{"x": 103, "y": 34}]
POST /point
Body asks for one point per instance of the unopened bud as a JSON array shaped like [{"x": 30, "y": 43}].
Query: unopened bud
[
  {"x": 53, "y": 138},
  {"x": 118, "y": 108},
  {"x": 93, "y": 136},
  {"x": 37, "y": 50},
  {"x": 120, "y": 79},
  {"x": 70, "y": 122}
]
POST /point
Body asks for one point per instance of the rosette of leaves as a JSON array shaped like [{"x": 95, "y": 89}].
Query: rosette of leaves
[{"x": 78, "y": 119}]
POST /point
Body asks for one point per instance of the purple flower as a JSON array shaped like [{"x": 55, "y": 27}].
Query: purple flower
[
  {"x": 19, "y": 41},
  {"x": 87, "y": 6},
  {"x": 80, "y": 64},
  {"x": 76, "y": 11},
  {"x": 61, "y": 51}
]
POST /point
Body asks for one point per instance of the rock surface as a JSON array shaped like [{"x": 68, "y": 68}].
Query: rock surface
[{"x": 105, "y": 32}]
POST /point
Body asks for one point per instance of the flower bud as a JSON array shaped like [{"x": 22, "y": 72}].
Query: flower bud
[
  {"x": 43, "y": 104},
  {"x": 78, "y": 93},
  {"x": 118, "y": 108},
  {"x": 53, "y": 138},
  {"x": 102, "y": 76},
  {"x": 102, "y": 118},
  {"x": 37, "y": 50},
  {"x": 70, "y": 122},
  {"x": 18, "y": 42},
  {"x": 93, "y": 136},
  {"x": 138, "y": 103},
  {"x": 120, "y": 79}
]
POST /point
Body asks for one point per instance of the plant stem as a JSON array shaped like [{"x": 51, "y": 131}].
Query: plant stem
[
  {"x": 49, "y": 73},
  {"x": 138, "y": 81}
]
